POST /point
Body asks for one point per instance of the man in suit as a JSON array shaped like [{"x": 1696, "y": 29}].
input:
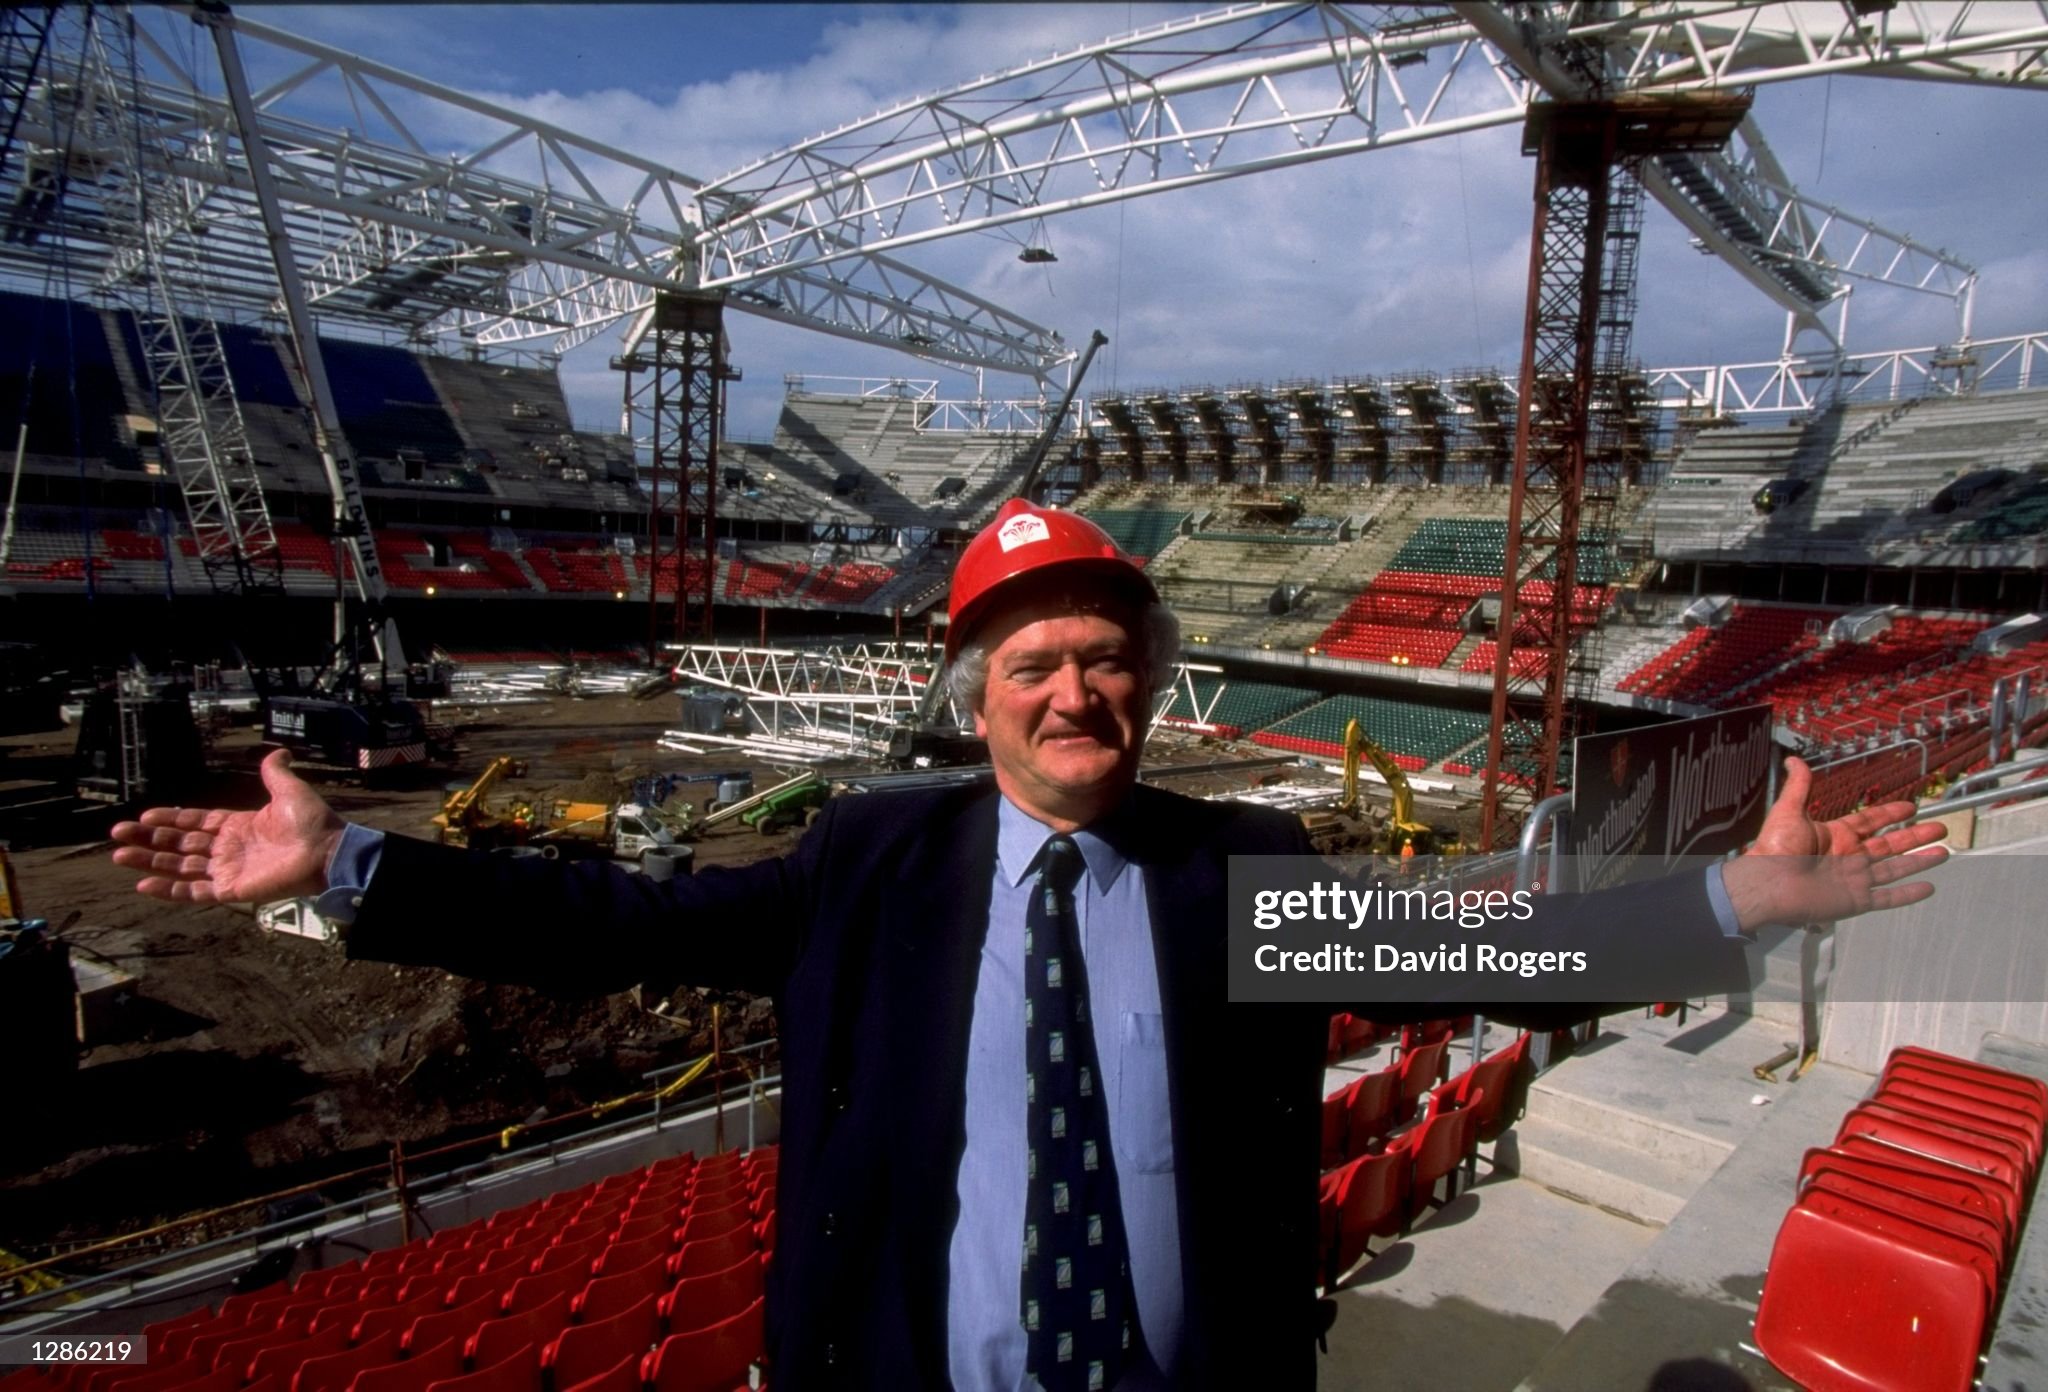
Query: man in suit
[{"x": 1002, "y": 1010}]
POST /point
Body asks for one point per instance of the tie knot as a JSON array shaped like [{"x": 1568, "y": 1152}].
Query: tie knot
[{"x": 1060, "y": 865}]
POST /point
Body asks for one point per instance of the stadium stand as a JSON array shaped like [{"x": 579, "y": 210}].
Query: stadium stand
[
  {"x": 1416, "y": 735},
  {"x": 1233, "y": 707},
  {"x": 57, "y": 361},
  {"x": 505, "y": 1301}
]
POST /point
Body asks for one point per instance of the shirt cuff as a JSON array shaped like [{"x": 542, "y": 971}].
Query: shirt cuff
[
  {"x": 349, "y": 871},
  {"x": 1724, "y": 907}
]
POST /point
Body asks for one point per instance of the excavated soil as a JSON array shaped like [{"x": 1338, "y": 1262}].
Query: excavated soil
[{"x": 245, "y": 1062}]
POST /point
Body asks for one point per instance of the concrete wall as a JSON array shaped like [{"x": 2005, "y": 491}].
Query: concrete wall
[{"x": 1975, "y": 955}]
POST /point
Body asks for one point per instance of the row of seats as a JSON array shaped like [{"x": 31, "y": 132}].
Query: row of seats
[
  {"x": 1890, "y": 1264},
  {"x": 652, "y": 1277},
  {"x": 1232, "y": 707},
  {"x": 1140, "y": 531},
  {"x": 1753, "y": 641},
  {"x": 1414, "y": 734},
  {"x": 1383, "y": 1182}
]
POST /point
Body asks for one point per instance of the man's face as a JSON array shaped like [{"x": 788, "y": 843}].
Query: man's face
[{"x": 1064, "y": 711}]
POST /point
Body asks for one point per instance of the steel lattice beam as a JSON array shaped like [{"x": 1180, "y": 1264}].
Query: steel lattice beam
[
  {"x": 1264, "y": 87},
  {"x": 539, "y": 234}
]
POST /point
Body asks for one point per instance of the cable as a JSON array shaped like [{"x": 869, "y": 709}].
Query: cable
[{"x": 1827, "y": 98}]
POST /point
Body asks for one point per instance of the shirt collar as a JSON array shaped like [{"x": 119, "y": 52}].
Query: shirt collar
[{"x": 1019, "y": 838}]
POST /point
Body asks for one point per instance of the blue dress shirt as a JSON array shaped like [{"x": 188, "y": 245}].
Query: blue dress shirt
[{"x": 985, "y": 1344}]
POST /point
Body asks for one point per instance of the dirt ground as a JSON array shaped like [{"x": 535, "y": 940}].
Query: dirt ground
[{"x": 245, "y": 1062}]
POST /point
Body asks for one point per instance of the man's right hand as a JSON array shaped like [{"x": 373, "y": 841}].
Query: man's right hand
[{"x": 208, "y": 856}]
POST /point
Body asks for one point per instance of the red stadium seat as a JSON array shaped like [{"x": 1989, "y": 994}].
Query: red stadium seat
[
  {"x": 623, "y": 1378},
  {"x": 335, "y": 1371},
  {"x": 1937, "y": 1104},
  {"x": 517, "y": 1372},
  {"x": 1421, "y": 1068},
  {"x": 716, "y": 1359},
  {"x": 414, "y": 1374},
  {"x": 1364, "y": 1199},
  {"x": 569, "y": 1256},
  {"x": 625, "y": 1255},
  {"x": 498, "y": 1339},
  {"x": 613, "y": 1292},
  {"x": 283, "y": 1360},
  {"x": 1962, "y": 1224},
  {"x": 530, "y": 1291},
  {"x": 703, "y": 1223},
  {"x": 1975, "y": 1087},
  {"x": 1958, "y": 1189},
  {"x": 1438, "y": 1148},
  {"x": 1333, "y": 1128},
  {"x": 397, "y": 1317},
  {"x": 583, "y": 1351},
  {"x": 1855, "y": 1301},
  {"x": 1979, "y": 1072},
  {"x": 1996, "y": 1194},
  {"x": 457, "y": 1323},
  {"x": 1370, "y": 1105},
  {"x": 1954, "y": 1144},
  {"x": 697, "y": 1301},
  {"x": 236, "y": 1353},
  {"x": 711, "y": 1254}
]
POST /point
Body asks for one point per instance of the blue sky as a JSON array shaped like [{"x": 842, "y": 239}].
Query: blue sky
[{"x": 1375, "y": 263}]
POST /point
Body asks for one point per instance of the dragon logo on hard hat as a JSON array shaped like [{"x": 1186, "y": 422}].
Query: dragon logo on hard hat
[{"x": 1022, "y": 530}]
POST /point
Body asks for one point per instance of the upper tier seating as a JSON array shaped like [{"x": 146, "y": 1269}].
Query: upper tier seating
[{"x": 1143, "y": 532}]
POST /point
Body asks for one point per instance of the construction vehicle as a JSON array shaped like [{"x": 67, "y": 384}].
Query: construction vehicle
[
  {"x": 1400, "y": 834},
  {"x": 623, "y": 830},
  {"x": 465, "y": 819},
  {"x": 787, "y": 806},
  {"x": 792, "y": 801}
]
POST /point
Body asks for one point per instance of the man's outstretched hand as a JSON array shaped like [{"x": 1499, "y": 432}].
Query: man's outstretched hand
[
  {"x": 207, "y": 856},
  {"x": 1801, "y": 871}
]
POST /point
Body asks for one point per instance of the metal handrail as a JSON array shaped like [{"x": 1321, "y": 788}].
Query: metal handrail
[
  {"x": 1990, "y": 797},
  {"x": 1555, "y": 808},
  {"x": 1958, "y": 789}
]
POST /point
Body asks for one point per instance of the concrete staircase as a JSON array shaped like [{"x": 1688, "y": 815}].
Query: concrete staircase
[{"x": 1635, "y": 1123}]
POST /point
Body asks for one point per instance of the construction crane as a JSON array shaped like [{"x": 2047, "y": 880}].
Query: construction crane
[{"x": 352, "y": 717}]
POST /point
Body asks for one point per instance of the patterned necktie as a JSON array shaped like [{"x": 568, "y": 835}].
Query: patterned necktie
[{"x": 1078, "y": 1301}]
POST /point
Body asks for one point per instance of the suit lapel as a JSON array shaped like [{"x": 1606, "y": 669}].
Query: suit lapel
[
  {"x": 934, "y": 925},
  {"x": 1184, "y": 884}
]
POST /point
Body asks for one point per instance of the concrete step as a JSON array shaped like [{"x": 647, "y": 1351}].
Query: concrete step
[
  {"x": 1655, "y": 1137},
  {"x": 1593, "y": 1169}
]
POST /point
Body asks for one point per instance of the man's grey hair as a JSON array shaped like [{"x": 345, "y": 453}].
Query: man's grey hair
[{"x": 1158, "y": 648}]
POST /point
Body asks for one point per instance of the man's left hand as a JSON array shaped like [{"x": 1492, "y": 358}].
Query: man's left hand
[{"x": 1801, "y": 871}]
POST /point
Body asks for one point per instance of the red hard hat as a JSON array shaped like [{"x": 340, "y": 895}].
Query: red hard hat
[{"x": 1024, "y": 540}]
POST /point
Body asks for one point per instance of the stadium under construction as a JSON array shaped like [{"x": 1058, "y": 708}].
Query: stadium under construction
[{"x": 284, "y": 396}]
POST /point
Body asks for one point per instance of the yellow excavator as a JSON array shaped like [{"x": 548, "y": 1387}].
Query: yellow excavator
[
  {"x": 1402, "y": 834},
  {"x": 465, "y": 815}
]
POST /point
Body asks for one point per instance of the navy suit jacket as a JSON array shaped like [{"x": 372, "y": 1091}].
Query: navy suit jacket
[{"x": 868, "y": 936}]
